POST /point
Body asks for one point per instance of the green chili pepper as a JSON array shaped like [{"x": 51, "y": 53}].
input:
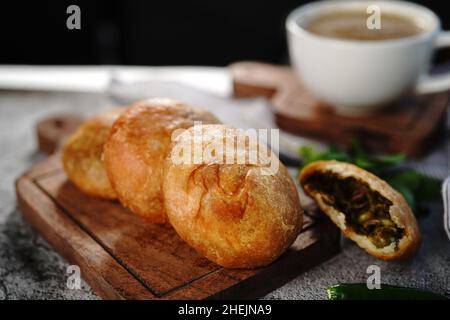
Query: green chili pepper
[{"x": 359, "y": 291}]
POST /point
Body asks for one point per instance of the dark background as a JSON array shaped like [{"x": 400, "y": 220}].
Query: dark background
[{"x": 152, "y": 32}]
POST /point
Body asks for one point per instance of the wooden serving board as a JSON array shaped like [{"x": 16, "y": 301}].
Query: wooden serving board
[
  {"x": 122, "y": 257},
  {"x": 408, "y": 126}
]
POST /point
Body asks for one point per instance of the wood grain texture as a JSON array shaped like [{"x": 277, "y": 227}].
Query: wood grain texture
[
  {"x": 408, "y": 126},
  {"x": 122, "y": 257},
  {"x": 51, "y": 132}
]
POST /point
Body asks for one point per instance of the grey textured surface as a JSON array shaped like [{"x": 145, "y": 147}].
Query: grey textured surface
[
  {"x": 30, "y": 269},
  {"x": 430, "y": 270}
]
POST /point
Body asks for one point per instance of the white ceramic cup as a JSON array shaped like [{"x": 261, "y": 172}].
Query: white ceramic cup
[{"x": 359, "y": 76}]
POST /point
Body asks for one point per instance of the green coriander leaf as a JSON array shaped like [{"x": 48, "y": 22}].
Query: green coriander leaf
[
  {"x": 415, "y": 187},
  {"x": 405, "y": 190},
  {"x": 390, "y": 160}
]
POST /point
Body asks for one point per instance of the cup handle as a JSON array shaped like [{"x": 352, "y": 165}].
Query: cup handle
[{"x": 437, "y": 83}]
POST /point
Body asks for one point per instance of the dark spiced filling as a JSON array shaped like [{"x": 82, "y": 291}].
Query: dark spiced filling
[{"x": 366, "y": 211}]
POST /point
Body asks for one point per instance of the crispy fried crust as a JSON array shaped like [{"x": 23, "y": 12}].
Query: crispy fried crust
[
  {"x": 234, "y": 214},
  {"x": 135, "y": 152},
  {"x": 399, "y": 211},
  {"x": 82, "y": 152}
]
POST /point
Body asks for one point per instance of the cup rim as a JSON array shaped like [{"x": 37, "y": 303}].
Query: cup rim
[{"x": 295, "y": 28}]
